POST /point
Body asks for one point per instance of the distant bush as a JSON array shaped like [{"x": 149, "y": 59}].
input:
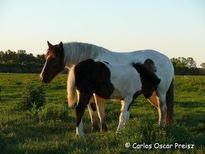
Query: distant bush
[
  {"x": 53, "y": 112},
  {"x": 32, "y": 94}
]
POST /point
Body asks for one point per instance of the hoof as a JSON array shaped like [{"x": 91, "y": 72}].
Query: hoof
[
  {"x": 95, "y": 129},
  {"x": 103, "y": 128},
  {"x": 80, "y": 134}
]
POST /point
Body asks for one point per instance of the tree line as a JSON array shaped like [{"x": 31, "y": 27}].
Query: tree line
[
  {"x": 187, "y": 66},
  {"x": 21, "y": 62}
]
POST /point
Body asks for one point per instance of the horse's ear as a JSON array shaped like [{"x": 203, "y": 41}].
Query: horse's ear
[
  {"x": 49, "y": 44},
  {"x": 60, "y": 45}
]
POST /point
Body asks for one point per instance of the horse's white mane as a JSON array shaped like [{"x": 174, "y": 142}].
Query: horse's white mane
[{"x": 75, "y": 52}]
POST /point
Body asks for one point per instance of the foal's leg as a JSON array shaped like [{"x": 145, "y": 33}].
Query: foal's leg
[
  {"x": 93, "y": 114},
  {"x": 101, "y": 112},
  {"x": 83, "y": 101},
  {"x": 124, "y": 113}
]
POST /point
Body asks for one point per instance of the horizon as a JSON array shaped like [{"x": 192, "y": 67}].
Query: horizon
[{"x": 174, "y": 28}]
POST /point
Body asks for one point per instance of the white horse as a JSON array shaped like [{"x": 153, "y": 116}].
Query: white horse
[{"x": 70, "y": 54}]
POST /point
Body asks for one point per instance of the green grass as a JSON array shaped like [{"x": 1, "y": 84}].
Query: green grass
[{"x": 51, "y": 129}]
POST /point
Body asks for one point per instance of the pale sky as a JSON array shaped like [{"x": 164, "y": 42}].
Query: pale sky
[{"x": 174, "y": 27}]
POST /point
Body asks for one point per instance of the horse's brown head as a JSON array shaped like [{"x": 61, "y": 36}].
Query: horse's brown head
[{"x": 54, "y": 62}]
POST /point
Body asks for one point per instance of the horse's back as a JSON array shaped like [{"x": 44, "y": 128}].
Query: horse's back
[
  {"x": 139, "y": 56},
  {"x": 163, "y": 65}
]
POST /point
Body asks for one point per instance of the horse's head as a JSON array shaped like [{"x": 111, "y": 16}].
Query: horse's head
[{"x": 54, "y": 62}]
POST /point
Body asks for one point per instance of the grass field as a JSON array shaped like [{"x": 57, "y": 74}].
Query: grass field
[{"x": 51, "y": 129}]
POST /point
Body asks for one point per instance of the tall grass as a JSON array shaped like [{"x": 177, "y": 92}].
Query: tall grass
[{"x": 50, "y": 127}]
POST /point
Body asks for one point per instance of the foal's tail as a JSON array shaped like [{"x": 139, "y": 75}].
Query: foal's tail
[
  {"x": 71, "y": 91},
  {"x": 170, "y": 104}
]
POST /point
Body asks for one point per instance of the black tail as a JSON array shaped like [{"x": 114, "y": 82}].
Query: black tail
[{"x": 170, "y": 104}]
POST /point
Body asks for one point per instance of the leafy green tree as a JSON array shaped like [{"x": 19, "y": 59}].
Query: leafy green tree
[
  {"x": 20, "y": 61},
  {"x": 185, "y": 66},
  {"x": 202, "y": 65},
  {"x": 41, "y": 58},
  {"x": 184, "y": 62},
  {"x": 190, "y": 62}
]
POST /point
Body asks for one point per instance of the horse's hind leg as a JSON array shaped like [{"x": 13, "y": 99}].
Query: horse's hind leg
[
  {"x": 154, "y": 99},
  {"x": 160, "y": 103},
  {"x": 162, "y": 108},
  {"x": 124, "y": 113},
  {"x": 93, "y": 115},
  {"x": 101, "y": 112}
]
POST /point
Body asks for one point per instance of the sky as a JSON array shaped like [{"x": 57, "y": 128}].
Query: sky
[{"x": 176, "y": 28}]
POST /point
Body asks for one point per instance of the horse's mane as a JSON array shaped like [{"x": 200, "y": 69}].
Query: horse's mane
[
  {"x": 82, "y": 45},
  {"x": 78, "y": 51}
]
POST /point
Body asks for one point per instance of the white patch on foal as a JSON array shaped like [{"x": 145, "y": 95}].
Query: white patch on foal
[
  {"x": 125, "y": 79},
  {"x": 79, "y": 129}
]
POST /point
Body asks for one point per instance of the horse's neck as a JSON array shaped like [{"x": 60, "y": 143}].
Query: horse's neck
[{"x": 75, "y": 53}]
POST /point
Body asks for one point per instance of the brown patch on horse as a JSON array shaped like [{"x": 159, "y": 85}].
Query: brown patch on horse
[
  {"x": 170, "y": 104},
  {"x": 93, "y": 77},
  {"x": 149, "y": 64},
  {"x": 148, "y": 77},
  {"x": 54, "y": 62}
]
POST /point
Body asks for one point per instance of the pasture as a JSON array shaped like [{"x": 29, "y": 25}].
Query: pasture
[{"x": 51, "y": 128}]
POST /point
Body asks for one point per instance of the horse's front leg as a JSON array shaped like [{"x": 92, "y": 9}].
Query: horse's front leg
[
  {"x": 124, "y": 113},
  {"x": 93, "y": 115},
  {"x": 101, "y": 112},
  {"x": 80, "y": 109}
]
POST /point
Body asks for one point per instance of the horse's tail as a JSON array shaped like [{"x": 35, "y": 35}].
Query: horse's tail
[
  {"x": 170, "y": 104},
  {"x": 71, "y": 91}
]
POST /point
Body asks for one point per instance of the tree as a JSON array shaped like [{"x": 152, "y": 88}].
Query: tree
[
  {"x": 184, "y": 62},
  {"x": 190, "y": 62},
  {"x": 20, "y": 61},
  {"x": 21, "y": 52},
  {"x": 202, "y": 65},
  {"x": 185, "y": 66},
  {"x": 41, "y": 58}
]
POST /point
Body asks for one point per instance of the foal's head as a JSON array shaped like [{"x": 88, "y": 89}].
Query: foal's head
[{"x": 54, "y": 62}]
